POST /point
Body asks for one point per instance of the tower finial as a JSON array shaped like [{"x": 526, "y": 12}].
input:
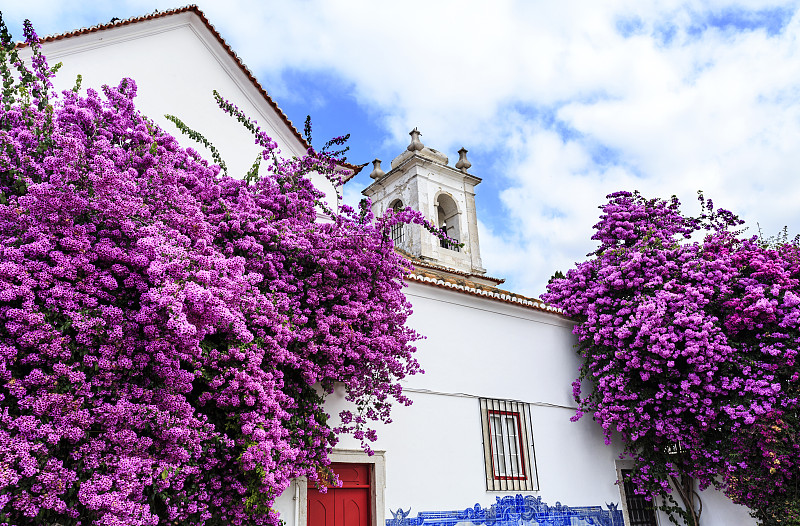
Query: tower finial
[
  {"x": 377, "y": 172},
  {"x": 416, "y": 144},
  {"x": 463, "y": 164}
]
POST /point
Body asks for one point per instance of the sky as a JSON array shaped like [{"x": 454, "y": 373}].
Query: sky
[{"x": 559, "y": 103}]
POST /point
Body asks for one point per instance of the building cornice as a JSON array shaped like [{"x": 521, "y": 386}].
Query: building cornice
[{"x": 491, "y": 293}]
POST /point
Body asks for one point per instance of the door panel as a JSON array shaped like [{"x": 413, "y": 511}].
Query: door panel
[
  {"x": 352, "y": 507},
  {"x": 321, "y": 508},
  {"x": 348, "y": 505},
  {"x": 352, "y": 475}
]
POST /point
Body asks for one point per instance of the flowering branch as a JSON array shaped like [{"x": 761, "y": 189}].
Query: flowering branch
[{"x": 691, "y": 343}]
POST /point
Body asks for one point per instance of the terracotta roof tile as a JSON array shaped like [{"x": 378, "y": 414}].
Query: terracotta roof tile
[
  {"x": 417, "y": 262},
  {"x": 475, "y": 289},
  {"x": 434, "y": 266},
  {"x": 436, "y": 275},
  {"x": 457, "y": 281},
  {"x": 196, "y": 10}
]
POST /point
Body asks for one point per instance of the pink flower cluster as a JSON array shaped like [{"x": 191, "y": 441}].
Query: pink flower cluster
[
  {"x": 167, "y": 334},
  {"x": 690, "y": 347}
]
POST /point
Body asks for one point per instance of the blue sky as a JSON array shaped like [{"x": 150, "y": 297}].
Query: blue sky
[{"x": 558, "y": 103}]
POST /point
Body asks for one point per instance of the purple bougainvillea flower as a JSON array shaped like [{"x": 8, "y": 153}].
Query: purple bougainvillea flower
[
  {"x": 690, "y": 350},
  {"x": 168, "y": 333}
]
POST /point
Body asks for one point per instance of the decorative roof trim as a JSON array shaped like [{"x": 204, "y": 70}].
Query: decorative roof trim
[
  {"x": 433, "y": 266},
  {"x": 417, "y": 262},
  {"x": 496, "y": 294},
  {"x": 192, "y": 8}
]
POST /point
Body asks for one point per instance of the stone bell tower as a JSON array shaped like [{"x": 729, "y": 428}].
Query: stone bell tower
[{"x": 420, "y": 178}]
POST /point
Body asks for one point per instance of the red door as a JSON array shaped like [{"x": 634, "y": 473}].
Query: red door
[{"x": 344, "y": 506}]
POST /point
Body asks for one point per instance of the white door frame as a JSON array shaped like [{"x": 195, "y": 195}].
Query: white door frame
[{"x": 377, "y": 483}]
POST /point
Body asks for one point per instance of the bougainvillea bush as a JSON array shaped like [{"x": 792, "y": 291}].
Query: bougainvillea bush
[
  {"x": 168, "y": 333},
  {"x": 690, "y": 333}
]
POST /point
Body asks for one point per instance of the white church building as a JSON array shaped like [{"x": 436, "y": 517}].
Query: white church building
[{"x": 488, "y": 439}]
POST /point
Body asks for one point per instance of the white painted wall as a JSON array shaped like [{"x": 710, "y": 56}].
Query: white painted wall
[
  {"x": 486, "y": 348},
  {"x": 477, "y": 347},
  {"x": 718, "y": 510}
]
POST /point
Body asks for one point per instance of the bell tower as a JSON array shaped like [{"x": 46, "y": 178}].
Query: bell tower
[{"x": 421, "y": 178}]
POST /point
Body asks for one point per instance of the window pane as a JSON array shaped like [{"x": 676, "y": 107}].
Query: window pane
[
  {"x": 398, "y": 232},
  {"x": 504, "y": 433},
  {"x": 511, "y": 438},
  {"x": 640, "y": 510},
  {"x": 498, "y": 446}
]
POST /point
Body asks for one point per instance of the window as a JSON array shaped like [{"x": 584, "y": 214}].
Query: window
[
  {"x": 398, "y": 231},
  {"x": 638, "y": 511},
  {"x": 504, "y": 439},
  {"x": 508, "y": 446},
  {"x": 448, "y": 221}
]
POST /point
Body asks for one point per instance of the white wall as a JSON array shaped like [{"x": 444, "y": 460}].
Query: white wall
[
  {"x": 479, "y": 347},
  {"x": 486, "y": 348},
  {"x": 476, "y": 347},
  {"x": 717, "y": 510}
]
